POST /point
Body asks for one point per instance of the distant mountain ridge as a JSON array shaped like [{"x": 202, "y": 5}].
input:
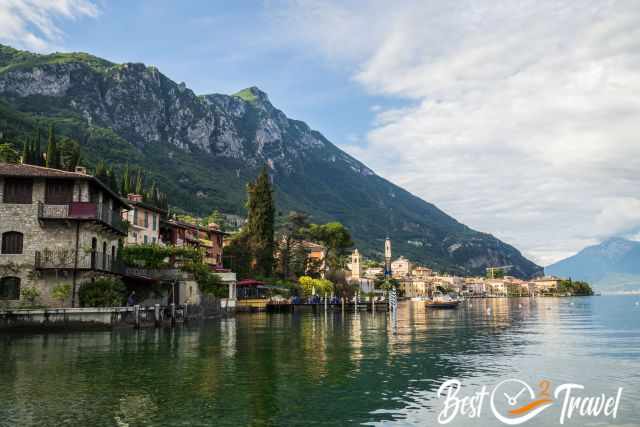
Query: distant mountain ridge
[
  {"x": 203, "y": 150},
  {"x": 611, "y": 265}
]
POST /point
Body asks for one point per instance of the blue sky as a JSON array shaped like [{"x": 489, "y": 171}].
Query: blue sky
[
  {"x": 517, "y": 117},
  {"x": 222, "y": 47}
]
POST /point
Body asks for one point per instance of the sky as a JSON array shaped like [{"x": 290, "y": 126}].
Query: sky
[{"x": 517, "y": 117}]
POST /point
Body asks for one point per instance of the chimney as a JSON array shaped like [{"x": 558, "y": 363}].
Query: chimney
[
  {"x": 134, "y": 197},
  {"x": 81, "y": 169}
]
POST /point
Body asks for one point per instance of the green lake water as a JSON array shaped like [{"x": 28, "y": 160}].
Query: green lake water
[{"x": 308, "y": 369}]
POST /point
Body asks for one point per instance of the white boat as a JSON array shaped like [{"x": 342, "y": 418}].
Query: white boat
[{"x": 420, "y": 299}]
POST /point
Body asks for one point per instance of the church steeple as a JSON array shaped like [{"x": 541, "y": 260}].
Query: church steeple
[{"x": 355, "y": 265}]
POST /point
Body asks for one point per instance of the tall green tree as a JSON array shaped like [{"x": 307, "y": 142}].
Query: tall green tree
[
  {"x": 291, "y": 253},
  {"x": 26, "y": 152},
  {"x": 69, "y": 152},
  {"x": 337, "y": 241},
  {"x": 53, "y": 156},
  {"x": 139, "y": 188},
  {"x": 8, "y": 154},
  {"x": 261, "y": 223},
  {"x": 125, "y": 185},
  {"x": 37, "y": 151}
]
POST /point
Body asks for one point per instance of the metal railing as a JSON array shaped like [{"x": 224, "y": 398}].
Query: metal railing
[
  {"x": 83, "y": 210},
  {"x": 65, "y": 259}
]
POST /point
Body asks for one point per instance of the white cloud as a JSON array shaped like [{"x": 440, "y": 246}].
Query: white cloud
[
  {"x": 525, "y": 113},
  {"x": 32, "y": 24}
]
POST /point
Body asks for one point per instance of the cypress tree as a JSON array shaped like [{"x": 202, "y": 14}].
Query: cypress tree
[
  {"x": 112, "y": 181},
  {"x": 26, "y": 152},
  {"x": 260, "y": 223},
  {"x": 125, "y": 187},
  {"x": 37, "y": 151},
  {"x": 53, "y": 156},
  {"x": 139, "y": 182}
]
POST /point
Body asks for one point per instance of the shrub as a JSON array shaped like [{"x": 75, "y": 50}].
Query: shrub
[
  {"x": 61, "y": 292},
  {"x": 208, "y": 281},
  {"x": 102, "y": 292},
  {"x": 30, "y": 296}
]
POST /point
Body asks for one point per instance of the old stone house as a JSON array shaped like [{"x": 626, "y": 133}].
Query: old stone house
[{"x": 57, "y": 227}]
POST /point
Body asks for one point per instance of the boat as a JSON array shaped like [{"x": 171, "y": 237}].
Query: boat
[
  {"x": 419, "y": 299},
  {"x": 443, "y": 301}
]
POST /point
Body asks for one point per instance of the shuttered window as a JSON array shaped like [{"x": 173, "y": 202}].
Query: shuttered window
[
  {"x": 10, "y": 288},
  {"x": 12, "y": 242},
  {"x": 58, "y": 192},
  {"x": 18, "y": 191}
]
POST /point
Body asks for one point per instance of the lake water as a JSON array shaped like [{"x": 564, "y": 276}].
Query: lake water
[{"x": 331, "y": 370}]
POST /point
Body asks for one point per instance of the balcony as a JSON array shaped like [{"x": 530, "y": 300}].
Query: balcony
[
  {"x": 83, "y": 211},
  {"x": 65, "y": 259}
]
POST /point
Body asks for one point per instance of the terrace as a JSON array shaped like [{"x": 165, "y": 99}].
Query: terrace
[{"x": 83, "y": 211}]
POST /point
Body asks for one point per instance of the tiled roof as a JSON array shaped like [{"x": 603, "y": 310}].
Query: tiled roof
[
  {"x": 19, "y": 170},
  {"x": 31, "y": 171}
]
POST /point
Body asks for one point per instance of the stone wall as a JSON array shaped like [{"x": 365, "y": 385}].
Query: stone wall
[{"x": 54, "y": 235}]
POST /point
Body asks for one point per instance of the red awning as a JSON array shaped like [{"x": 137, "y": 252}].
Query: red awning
[{"x": 249, "y": 282}]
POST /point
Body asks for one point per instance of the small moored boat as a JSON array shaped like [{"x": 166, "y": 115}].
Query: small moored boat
[{"x": 442, "y": 301}]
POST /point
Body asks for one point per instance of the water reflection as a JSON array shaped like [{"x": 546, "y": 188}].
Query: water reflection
[{"x": 305, "y": 368}]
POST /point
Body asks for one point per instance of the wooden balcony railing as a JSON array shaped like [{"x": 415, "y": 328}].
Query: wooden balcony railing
[
  {"x": 83, "y": 211},
  {"x": 65, "y": 259}
]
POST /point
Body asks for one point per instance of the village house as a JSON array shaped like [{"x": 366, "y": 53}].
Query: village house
[
  {"x": 207, "y": 239},
  {"x": 401, "y": 267},
  {"x": 57, "y": 228},
  {"x": 144, "y": 221},
  {"x": 422, "y": 272},
  {"x": 546, "y": 285},
  {"x": 315, "y": 257}
]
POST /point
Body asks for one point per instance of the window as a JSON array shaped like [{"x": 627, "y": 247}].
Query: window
[
  {"x": 12, "y": 242},
  {"x": 155, "y": 240},
  {"x": 135, "y": 216},
  {"x": 58, "y": 192},
  {"x": 10, "y": 288},
  {"x": 17, "y": 190},
  {"x": 146, "y": 239},
  {"x": 155, "y": 222},
  {"x": 146, "y": 219}
]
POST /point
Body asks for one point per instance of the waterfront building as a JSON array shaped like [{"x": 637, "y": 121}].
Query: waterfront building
[
  {"x": 422, "y": 272},
  {"x": 475, "y": 286},
  {"x": 414, "y": 287},
  {"x": 144, "y": 221},
  {"x": 545, "y": 285},
  {"x": 401, "y": 267},
  {"x": 57, "y": 228},
  {"x": 208, "y": 239},
  {"x": 497, "y": 288}
]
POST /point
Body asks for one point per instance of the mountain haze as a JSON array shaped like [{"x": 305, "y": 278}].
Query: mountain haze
[
  {"x": 613, "y": 265},
  {"x": 203, "y": 150}
]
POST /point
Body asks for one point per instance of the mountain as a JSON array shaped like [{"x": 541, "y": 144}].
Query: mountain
[
  {"x": 613, "y": 265},
  {"x": 203, "y": 149}
]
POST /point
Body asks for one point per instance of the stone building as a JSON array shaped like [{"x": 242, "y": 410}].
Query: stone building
[{"x": 57, "y": 227}]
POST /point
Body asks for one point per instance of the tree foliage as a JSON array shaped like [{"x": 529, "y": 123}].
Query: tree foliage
[
  {"x": 290, "y": 236},
  {"x": 8, "y": 154},
  {"x": 103, "y": 292},
  {"x": 337, "y": 241},
  {"x": 260, "y": 223}
]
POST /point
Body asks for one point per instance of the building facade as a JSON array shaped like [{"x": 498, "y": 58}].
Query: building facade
[
  {"x": 57, "y": 228},
  {"x": 144, "y": 221}
]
